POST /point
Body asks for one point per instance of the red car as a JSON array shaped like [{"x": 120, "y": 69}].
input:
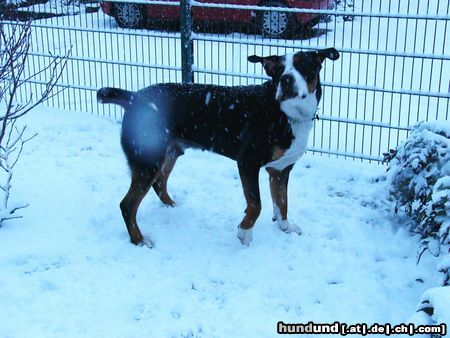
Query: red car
[{"x": 269, "y": 23}]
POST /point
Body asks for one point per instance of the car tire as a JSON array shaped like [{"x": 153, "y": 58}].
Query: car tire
[
  {"x": 274, "y": 24},
  {"x": 129, "y": 15}
]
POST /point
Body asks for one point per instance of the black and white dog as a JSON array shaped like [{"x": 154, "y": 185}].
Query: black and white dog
[{"x": 257, "y": 126}]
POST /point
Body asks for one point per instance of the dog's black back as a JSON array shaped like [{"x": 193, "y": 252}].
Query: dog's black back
[{"x": 243, "y": 123}]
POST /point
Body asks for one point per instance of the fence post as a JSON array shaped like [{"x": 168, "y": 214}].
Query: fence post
[{"x": 187, "y": 45}]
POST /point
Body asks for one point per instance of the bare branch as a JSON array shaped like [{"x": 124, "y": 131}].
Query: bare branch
[
  {"x": 13, "y": 210},
  {"x": 15, "y": 44},
  {"x": 57, "y": 65},
  {"x": 7, "y": 218}
]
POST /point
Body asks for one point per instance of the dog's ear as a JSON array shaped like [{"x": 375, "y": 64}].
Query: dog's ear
[
  {"x": 329, "y": 53},
  {"x": 272, "y": 64}
]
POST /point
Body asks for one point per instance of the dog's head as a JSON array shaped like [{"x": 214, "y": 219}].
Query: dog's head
[{"x": 295, "y": 75}]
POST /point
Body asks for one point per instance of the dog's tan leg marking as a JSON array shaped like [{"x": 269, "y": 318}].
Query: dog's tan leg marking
[
  {"x": 279, "y": 190},
  {"x": 141, "y": 182},
  {"x": 250, "y": 185}
]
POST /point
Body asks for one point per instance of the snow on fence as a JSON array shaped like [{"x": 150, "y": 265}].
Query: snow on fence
[{"x": 394, "y": 68}]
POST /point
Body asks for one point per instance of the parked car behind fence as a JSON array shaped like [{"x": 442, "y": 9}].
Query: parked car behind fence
[{"x": 273, "y": 24}]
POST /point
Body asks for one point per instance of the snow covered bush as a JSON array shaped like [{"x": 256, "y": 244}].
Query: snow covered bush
[
  {"x": 345, "y": 5},
  {"x": 64, "y": 7},
  {"x": 58, "y": 7},
  {"x": 419, "y": 177}
]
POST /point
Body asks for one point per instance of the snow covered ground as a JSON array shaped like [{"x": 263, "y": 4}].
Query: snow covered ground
[{"x": 67, "y": 269}]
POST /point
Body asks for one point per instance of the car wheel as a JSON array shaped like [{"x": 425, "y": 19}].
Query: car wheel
[
  {"x": 276, "y": 24},
  {"x": 129, "y": 15}
]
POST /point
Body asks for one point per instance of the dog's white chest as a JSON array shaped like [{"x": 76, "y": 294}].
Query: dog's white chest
[
  {"x": 301, "y": 131},
  {"x": 301, "y": 114}
]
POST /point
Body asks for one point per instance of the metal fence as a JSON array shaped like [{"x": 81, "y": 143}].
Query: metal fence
[{"x": 394, "y": 68}]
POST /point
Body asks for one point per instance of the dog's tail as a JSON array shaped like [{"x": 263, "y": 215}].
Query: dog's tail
[{"x": 118, "y": 96}]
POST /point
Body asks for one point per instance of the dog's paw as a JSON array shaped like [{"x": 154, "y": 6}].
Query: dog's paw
[
  {"x": 245, "y": 236},
  {"x": 169, "y": 204},
  {"x": 290, "y": 228},
  {"x": 166, "y": 200},
  {"x": 147, "y": 242}
]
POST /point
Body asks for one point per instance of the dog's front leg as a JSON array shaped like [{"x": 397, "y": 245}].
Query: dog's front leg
[
  {"x": 279, "y": 191},
  {"x": 249, "y": 178}
]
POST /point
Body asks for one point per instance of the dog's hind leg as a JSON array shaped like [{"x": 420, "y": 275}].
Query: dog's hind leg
[
  {"x": 249, "y": 178},
  {"x": 279, "y": 191},
  {"x": 160, "y": 185},
  {"x": 141, "y": 181}
]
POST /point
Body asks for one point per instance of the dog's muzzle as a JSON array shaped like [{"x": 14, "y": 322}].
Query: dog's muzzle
[{"x": 286, "y": 89}]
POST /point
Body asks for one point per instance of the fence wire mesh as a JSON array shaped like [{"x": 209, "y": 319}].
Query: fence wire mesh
[{"x": 394, "y": 68}]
